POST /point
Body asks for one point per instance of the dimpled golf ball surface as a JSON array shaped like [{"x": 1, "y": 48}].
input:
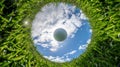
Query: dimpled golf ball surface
[{"x": 60, "y": 32}]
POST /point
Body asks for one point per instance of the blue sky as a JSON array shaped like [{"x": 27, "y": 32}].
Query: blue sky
[{"x": 71, "y": 19}]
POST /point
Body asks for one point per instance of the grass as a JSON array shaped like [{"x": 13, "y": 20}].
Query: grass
[{"x": 16, "y": 47}]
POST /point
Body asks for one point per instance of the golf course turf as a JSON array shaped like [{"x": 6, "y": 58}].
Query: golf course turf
[{"x": 16, "y": 45}]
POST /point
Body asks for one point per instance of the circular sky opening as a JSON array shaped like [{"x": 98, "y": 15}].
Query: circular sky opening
[{"x": 61, "y": 32}]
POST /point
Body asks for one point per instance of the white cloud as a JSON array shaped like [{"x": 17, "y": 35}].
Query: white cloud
[
  {"x": 83, "y": 16},
  {"x": 45, "y": 45},
  {"x": 88, "y": 41},
  {"x": 57, "y": 59},
  {"x": 82, "y": 47},
  {"x": 70, "y": 53},
  {"x": 90, "y": 30},
  {"x": 61, "y": 59},
  {"x": 52, "y": 17}
]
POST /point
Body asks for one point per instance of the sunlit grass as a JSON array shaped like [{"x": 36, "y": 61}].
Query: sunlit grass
[{"x": 16, "y": 47}]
